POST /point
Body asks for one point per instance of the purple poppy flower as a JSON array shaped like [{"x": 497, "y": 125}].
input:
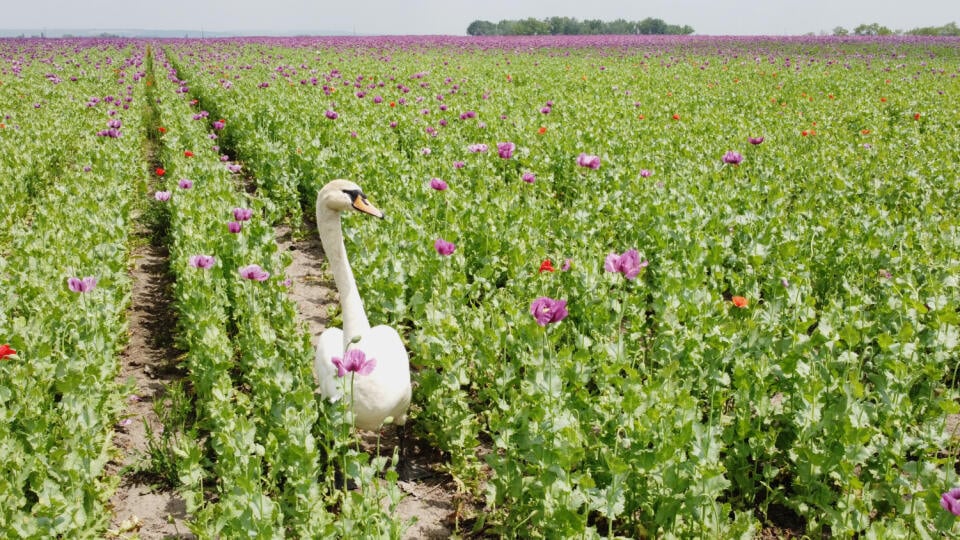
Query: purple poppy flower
[
  {"x": 234, "y": 227},
  {"x": 254, "y": 273},
  {"x": 162, "y": 196},
  {"x": 505, "y": 149},
  {"x": 545, "y": 110},
  {"x": 950, "y": 501},
  {"x": 459, "y": 164},
  {"x": 755, "y": 140},
  {"x": 628, "y": 264},
  {"x": 185, "y": 184},
  {"x": 87, "y": 168},
  {"x": 443, "y": 247},
  {"x": 425, "y": 151},
  {"x": 477, "y": 148},
  {"x": 82, "y": 285},
  {"x": 234, "y": 167},
  {"x": 547, "y": 310},
  {"x": 378, "y": 99},
  {"x": 219, "y": 124},
  {"x": 354, "y": 361},
  {"x": 567, "y": 263},
  {"x": 393, "y": 125},
  {"x": 242, "y": 214},
  {"x": 645, "y": 173},
  {"x": 332, "y": 115},
  {"x": 732, "y": 158},
  {"x": 528, "y": 177},
  {"x": 587, "y": 160},
  {"x": 438, "y": 184},
  {"x": 201, "y": 261}
]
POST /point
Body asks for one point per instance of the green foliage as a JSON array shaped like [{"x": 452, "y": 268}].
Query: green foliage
[
  {"x": 571, "y": 26},
  {"x": 657, "y": 408},
  {"x": 873, "y": 29},
  {"x": 949, "y": 29},
  {"x": 59, "y": 399},
  {"x": 261, "y": 455}
]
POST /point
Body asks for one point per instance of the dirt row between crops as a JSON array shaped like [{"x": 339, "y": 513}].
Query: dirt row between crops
[{"x": 141, "y": 508}]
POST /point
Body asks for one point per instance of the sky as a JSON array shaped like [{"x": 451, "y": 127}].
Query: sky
[{"x": 451, "y": 17}]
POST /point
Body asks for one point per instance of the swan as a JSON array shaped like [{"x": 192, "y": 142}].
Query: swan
[{"x": 385, "y": 392}]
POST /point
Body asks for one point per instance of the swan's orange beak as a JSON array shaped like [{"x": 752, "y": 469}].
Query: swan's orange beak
[{"x": 362, "y": 204}]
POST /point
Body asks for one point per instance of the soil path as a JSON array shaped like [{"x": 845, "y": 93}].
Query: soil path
[
  {"x": 141, "y": 509},
  {"x": 430, "y": 495}
]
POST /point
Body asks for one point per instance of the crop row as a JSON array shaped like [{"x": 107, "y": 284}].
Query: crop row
[
  {"x": 260, "y": 457},
  {"x": 68, "y": 188},
  {"x": 790, "y": 346}
]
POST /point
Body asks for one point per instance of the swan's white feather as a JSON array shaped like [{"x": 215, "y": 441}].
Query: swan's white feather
[
  {"x": 384, "y": 393},
  {"x": 329, "y": 346}
]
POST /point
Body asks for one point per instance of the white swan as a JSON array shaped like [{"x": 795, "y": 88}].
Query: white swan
[{"x": 385, "y": 392}]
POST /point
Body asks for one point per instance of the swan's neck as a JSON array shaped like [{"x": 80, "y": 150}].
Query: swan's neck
[{"x": 331, "y": 236}]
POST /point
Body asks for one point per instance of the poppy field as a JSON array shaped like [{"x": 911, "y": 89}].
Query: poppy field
[{"x": 651, "y": 287}]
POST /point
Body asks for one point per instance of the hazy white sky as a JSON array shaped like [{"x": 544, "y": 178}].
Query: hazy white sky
[{"x": 453, "y": 16}]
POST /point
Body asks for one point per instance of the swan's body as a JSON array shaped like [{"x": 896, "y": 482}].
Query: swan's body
[{"x": 385, "y": 392}]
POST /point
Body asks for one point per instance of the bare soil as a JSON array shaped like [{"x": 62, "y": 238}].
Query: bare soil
[{"x": 142, "y": 507}]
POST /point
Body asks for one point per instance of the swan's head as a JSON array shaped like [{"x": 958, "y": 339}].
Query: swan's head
[{"x": 344, "y": 195}]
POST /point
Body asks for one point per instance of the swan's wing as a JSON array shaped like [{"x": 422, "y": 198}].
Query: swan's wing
[
  {"x": 388, "y": 386},
  {"x": 329, "y": 345}
]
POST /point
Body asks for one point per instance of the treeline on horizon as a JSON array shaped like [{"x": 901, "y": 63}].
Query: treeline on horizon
[
  {"x": 570, "y": 26},
  {"x": 875, "y": 29}
]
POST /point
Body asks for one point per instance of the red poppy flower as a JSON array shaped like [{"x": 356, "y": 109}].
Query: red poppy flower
[
  {"x": 740, "y": 301},
  {"x": 393, "y": 103},
  {"x": 676, "y": 116},
  {"x": 916, "y": 116},
  {"x": 161, "y": 171},
  {"x": 187, "y": 153},
  {"x": 546, "y": 266},
  {"x": 883, "y": 100},
  {"x": 162, "y": 129},
  {"x": 6, "y": 351},
  {"x": 865, "y": 131},
  {"x": 542, "y": 130},
  {"x": 804, "y": 133},
  {"x": 640, "y": 116}
]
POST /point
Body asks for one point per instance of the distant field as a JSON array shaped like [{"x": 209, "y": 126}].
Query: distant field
[{"x": 778, "y": 356}]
